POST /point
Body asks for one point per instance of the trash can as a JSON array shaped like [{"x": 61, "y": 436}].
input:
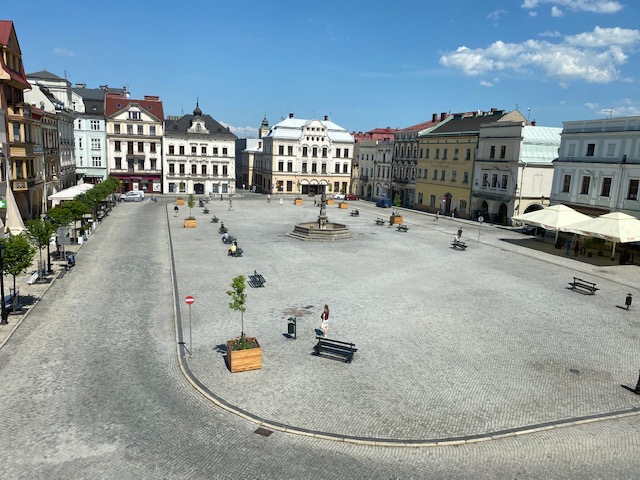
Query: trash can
[{"x": 291, "y": 326}]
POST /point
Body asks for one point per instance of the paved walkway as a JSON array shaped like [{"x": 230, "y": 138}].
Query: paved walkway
[{"x": 452, "y": 346}]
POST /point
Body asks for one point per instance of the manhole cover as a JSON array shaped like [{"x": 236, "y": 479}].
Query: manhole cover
[
  {"x": 263, "y": 431},
  {"x": 574, "y": 370}
]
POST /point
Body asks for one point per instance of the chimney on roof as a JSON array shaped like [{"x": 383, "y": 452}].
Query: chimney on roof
[
  {"x": 291, "y": 115},
  {"x": 494, "y": 109},
  {"x": 434, "y": 117},
  {"x": 259, "y": 143},
  {"x": 326, "y": 117},
  {"x": 443, "y": 115},
  {"x": 533, "y": 124},
  {"x": 81, "y": 85},
  {"x": 104, "y": 87}
]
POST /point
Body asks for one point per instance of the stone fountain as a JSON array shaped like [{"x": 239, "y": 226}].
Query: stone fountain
[{"x": 323, "y": 230}]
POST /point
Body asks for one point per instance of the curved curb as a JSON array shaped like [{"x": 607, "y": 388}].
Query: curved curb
[{"x": 183, "y": 363}]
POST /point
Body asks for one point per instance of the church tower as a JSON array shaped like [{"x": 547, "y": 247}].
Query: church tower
[{"x": 264, "y": 128}]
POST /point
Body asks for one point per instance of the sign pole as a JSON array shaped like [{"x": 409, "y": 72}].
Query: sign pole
[
  {"x": 190, "y": 339},
  {"x": 480, "y": 220}
]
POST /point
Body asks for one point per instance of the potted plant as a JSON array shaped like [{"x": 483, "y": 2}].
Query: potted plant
[
  {"x": 243, "y": 353},
  {"x": 180, "y": 201},
  {"x": 330, "y": 200},
  {"x": 396, "y": 219},
  {"x": 190, "y": 221}
]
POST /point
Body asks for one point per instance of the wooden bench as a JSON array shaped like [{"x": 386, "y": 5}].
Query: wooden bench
[
  {"x": 355, "y": 213},
  {"x": 379, "y": 221},
  {"x": 256, "y": 280},
  {"x": 589, "y": 287},
  {"x": 458, "y": 245},
  {"x": 334, "y": 348},
  {"x": 403, "y": 228}
]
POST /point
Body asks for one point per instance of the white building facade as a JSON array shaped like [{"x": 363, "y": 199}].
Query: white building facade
[
  {"x": 199, "y": 155},
  {"x": 598, "y": 169},
  {"x": 305, "y": 157}
]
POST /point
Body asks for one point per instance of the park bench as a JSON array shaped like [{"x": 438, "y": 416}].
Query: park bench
[
  {"x": 205, "y": 210},
  {"x": 355, "y": 213},
  {"x": 222, "y": 228},
  {"x": 33, "y": 278},
  {"x": 214, "y": 219},
  {"x": 589, "y": 287},
  {"x": 379, "y": 221},
  {"x": 334, "y": 348},
  {"x": 256, "y": 280},
  {"x": 458, "y": 245},
  {"x": 403, "y": 228}
]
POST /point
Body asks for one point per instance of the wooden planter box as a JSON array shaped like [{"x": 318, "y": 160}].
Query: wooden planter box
[
  {"x": 297, "y": 201},
  {"x": 190, "y": 223},
  {"x": 330, "y": 201},
  {"x": 396, "y": 220},
  {"x": 180, "y": 201},
  {"x": 244, "y": 360},
  {"x": 343, "y": 205}
]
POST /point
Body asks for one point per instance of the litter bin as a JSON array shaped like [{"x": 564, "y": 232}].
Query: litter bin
[{"x": 291, "y": 326}]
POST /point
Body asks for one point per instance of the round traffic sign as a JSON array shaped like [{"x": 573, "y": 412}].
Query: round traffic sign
[{"x": 189, "y": 300}]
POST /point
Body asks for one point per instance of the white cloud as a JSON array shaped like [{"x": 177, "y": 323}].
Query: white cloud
[
  {"x": 484, "y": 83},
  {"x": 591, "y": 106},
  {"x": 591, "y": 6},
  {"x": 594, "y": 57},
  {"x": 64, "y": 52},
  {"x": 242, "y": 132},
  {"x": 495, "y": 16},
  {"x": 556, "y": 12}
]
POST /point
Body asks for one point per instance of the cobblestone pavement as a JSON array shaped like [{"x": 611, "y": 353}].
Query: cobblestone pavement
[{"x": 450, "y": 344}]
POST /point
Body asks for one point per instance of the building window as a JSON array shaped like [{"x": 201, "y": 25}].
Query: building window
[
  {"x": 225, "y": 151},
  {"x": 118, "y": 161},
  {"x": 455, "y": 154},
  {"x": 494, "y": 180},
  {"x": 338, "y": 152},
  {"x": 454, "y": 175},
  {"x": 465, "y": 177},
  {"x": 140, "y": 146},
  {"x": 420, "y": 198},
  {"x": 443, "y": 174},
  {"x": 95, "y": 144},
  {"x": 505, "y": 179},
  {"x": 215, "y": 170},
  {"x": 503, "y": 151},
  {"x": 314, "y": 152},
  {"x": 194, "y": 149},
  {"x": 289, "y": 150},
  {"x": 346, "y": 153},
  {"x": 435, "y": 174},
  {"x": 289, "y": 167},
  {"x": 281, "y": 166},
  {"x": 181, "y": 149},
  {"x": 140, "y": 164},
  {"x": 437, "y": 156},
  {"x": 153, "y": 164},
  {"x": 633, "y": 190},
  {"x": 172, "y": 168},
  {"x": 140, "y": 130},
  {"x": 426, "y": 154},
  {"x": 566, "y": 183},
  {"x": 95, "y": 124},
  {"x": 181, "y": 168},
  {"x": 586, "y": 181},
  {"x": 171, "y": 150},
  {"x": 314, "y": 167},
  {"x": 324, "y": 168},
  {"x": 304, "y": 167},
  {"x": 468, "y": 154},
  {"x": 152, "y": 130},
  {"x": 134, "y": 115},
  {"x": 462, "y": 206},
  {"x": 337, "y": 168},
  {"x": 152, "y": 147},
  {"x": 116, "y": 128},
  {"x": 203, "y": 149},
  {"x": 591, "y": 149},
  {"x": 492, "y": 153},
  {"x": 304, "y": 152},
  {"x": 116, "y": 144},
  {"x": 194, "y": 169},
  {"x": 281, "y": 150},
  {"x": 324, "y": 152},
  {"x": 172, "y": 187},
  {"x": 215, "y": 150},
  {"x": 289, "y": 186},
  {"x": 225, "y": 170},
  {"x": 203, "y": 169},
  {"x": 345, "y": 168},
  {"x": 432, "y": 200},
  {"x": 444, "y": 153}
]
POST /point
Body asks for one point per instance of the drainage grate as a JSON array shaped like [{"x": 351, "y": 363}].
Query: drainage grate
[
  {"x": 308, "y": 307},
  {"x": 263, "y": 431},
  {"x": 574, "y": 370}
]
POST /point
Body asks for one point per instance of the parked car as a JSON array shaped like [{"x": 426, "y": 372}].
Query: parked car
[
  {"x": 384, "y": 203},
  {"x": 339, "y": 196},
  {"x": 131, "y": 197},
  {"x": 352, "y": 196}
]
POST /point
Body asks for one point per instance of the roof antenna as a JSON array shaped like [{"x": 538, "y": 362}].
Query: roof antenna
[
  {"x": 528, "y": 113},
  {"x": 608, "y": 110}
]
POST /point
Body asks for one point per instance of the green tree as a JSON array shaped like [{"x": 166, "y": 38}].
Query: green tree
[
  {"x": 191, "y": 202},
  {"x": 60, "y": 216},
  {"x": 40, "y": 232},
  {"x": 396, "y": 200},
  {"x": 238, "y": 303},
  {"x": 18, "y": 255}
]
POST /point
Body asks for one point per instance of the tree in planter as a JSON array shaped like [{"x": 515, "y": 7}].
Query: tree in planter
[
  {"x": 18, "y": 255},
  {"x": 238, "y": 303},
  {"x": 191, "y": 202},
  {"x": 40, "y": 232},
  {"x": 396, "y": 200}
]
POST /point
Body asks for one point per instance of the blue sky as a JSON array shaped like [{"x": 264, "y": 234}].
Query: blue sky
[{"x": 365, "y": 64}]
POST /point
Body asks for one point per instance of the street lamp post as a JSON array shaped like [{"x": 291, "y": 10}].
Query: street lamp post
[{"x": 4, "y": 313}]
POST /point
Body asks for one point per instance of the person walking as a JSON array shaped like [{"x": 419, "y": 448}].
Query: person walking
[
  {"x": 435, "y": 219},
  {"x": 324, "y": 325},
  {"x": 230, "y": 205},
  {"x": 567, "y": 245},
  {"x": 576, "y": 247},
  {"x": 175, "y": 210},
  {"x": 268, "y": 198},
  {"x": 459, "y": 234}
]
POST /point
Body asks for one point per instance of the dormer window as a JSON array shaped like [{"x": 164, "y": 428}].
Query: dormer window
[{"x": 134, "y": 115}]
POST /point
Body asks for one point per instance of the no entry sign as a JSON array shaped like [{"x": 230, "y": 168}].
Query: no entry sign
[{"x": 189, "y": 300}]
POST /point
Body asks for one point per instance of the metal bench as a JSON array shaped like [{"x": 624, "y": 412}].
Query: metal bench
[
  {"x": 379, "y": 221},
  {"x": 214, "y": 219},
  {"x": 458, "y": 245},
  {"x": 355, "y": 213},
  {"x": 403, "y": 228},
  {"x": 588, "y": 287},
  {"x": 334, "y": 348},
  {"x": 256, "y": 280},
  {"x": 205, "y": 210}
]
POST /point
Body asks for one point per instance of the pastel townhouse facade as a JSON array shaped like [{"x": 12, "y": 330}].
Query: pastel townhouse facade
[
  {"x": 445, "y": 169},
  {"x": 371, "y": 149},
  {"x": 199, "y": 155},
  {"x": 52, "y": 94},
  {"x": 513, "y": 169},
  {"x": 405, "y": 160},
  {"x": 90, "y": 132},
  {"x": 305, "y": 157},
  {"x": 598, "y": 168},
  {"x": 134, "y": 141},
  {"x": 247, "y": 149}
]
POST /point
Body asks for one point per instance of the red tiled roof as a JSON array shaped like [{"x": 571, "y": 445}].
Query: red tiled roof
[
  {"x": 6, "y": 27},
  {"x": 113, "y": 103}
]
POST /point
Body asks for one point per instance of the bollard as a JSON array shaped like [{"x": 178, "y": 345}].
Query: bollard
[
  {"x": 627, "y": 300},
  {"x": 291, "y": 327}
]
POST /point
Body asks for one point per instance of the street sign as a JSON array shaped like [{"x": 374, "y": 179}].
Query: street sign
[
  {"x": 189, "y": 300},
  {"x": 3, "y": 203}
]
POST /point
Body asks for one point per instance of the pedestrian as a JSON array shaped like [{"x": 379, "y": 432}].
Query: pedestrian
[
  {"x": 268, "y": 198},
  {"x": 435, "y": 219},
  {"x": 175, "y": 210},
  {"x": 576, "y": 247},
  {"x": 230, "y": 205},
  {"x": 567, "y": 244},
  {"x": 459, "y": 234},
  {"x": 324, "y": 325}
]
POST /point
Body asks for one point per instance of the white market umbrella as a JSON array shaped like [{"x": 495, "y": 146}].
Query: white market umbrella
[
  {"x": 617, "y": 227},
  {"x": 557, "y": 218}
]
